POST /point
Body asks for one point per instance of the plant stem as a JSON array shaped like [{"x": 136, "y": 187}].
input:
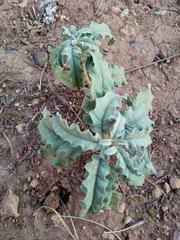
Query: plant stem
[{"x": 85, "y": 74}]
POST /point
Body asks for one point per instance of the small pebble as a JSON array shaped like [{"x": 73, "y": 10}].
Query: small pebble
[
  {"x": 166, "y": 187},
  {"x": 174, "y": 183},
  {"x": 29, "y": 179},
  {"x": 127, "y": 219},
  {"x": 105, "y": 49},
  {"x": 153, "y": 235},
  {"x": 35, "y": 101},
  {"x": 159, "y": 173},
  {"x": 133, "y": 45},
  {"x": 40, "y": 57},
  {"x": 108, "y": 236},
  {"x": 54, "y": 188},
  {"x": 10, "y": 166},
  {"x": 33, "y": 203},
  {"x": 121, "y": 207},
  {"x": 160, "y": 12},
  {"x": 150, "y": 5},
  {"x": 164, "y": 208},
  {"x": 17, "y": 155},
  {"x": 171, "y": 160},
  {"x": 34, "y": 183},
  {"x": 156, "y": 192},
  {"x": 124, "y": 13}
]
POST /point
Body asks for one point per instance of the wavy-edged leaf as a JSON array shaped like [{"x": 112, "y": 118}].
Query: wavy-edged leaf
[
  {"x": 73, "y": 62},
  {"x": 97, "y": 186},
  {"x": 133, "y": 165},
  {"x": 110, "y": 151},
  {"x": 117, "y": 131},
  {"x": 66, "y": 65},
  {"x": 138, "y": 138},
  {"x": 68, "y": 33},
  {"x": 74, "y": 135},
  {"x": 101, "y": 80},
  {"x": 138, "y": 124},
  {"x": 59, "y": 152},
  {"x": 144, "y": 97},
  {"x": 137, "y": 118},
  {"x": 118, "y": 75},
  {"x": 137, "y": 114},
  {"x": 105, "y": 113},
  {"x": 89, "y": 43},
  {"x": 116, "y": 197},
  {"x": 103, "y": 30}
]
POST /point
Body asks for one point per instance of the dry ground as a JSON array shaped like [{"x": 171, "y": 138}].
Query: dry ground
[{"x": 141, "y": 38}]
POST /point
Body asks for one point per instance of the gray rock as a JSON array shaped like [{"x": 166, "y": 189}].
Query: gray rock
[
  {"x": 15, "y": 1},
  {"x": 160, "y": 12},
  {"x": 127, "y": 219},
  {"x": 40, "y": 57},
  {"x": 124, "y": 13}
]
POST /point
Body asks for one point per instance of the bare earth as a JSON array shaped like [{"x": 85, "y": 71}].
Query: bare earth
[{"x": 27, "y": 180}]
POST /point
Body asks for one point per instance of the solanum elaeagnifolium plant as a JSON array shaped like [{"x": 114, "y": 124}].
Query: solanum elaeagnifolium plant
[{"x": 119, "y": 126}]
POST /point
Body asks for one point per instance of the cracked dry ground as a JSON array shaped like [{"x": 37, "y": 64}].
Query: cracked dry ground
[{"x": 141, "y": 38}]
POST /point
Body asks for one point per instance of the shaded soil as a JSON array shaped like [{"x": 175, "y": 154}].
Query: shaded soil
[{"x": 141, "y": 38}]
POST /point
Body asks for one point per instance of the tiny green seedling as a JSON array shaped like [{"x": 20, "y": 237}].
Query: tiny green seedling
[{"x": 119, "y": 126}]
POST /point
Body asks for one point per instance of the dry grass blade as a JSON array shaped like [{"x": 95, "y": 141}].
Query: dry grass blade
[
  {"x": 59, "y": 216},
  {"x": 91, "y": 221},
  {"x": 70, "y": 219},
  {"x": 9, "y": 142},
  {"x": 133, "y": 226},
  {"x": 99, "y": 7},
  {"x": 73, "y": 217},
  {"x": 41, "y": 77}
]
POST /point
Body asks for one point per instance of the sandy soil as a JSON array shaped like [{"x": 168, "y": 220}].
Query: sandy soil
[{"x": 142, "y": 37}]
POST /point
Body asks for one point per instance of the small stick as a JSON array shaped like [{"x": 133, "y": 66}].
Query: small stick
[
  {"x": 134, "y": 196},
  {"x": 33, "y": 153},
  {"x": 41, "y": 77},
  {"x": 10, "y": 145},
  {"x": 163, "y": 177},
  {"x": 133, "y": 226},
  {"x": 98, "y": 8},
  {"x": 34, "y": 12},
  {"x": 150, "y": 64}
]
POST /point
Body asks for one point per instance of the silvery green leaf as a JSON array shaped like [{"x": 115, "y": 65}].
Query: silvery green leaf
[
  {"x": 133, "y": 165},
  {"x": 102, "y": 30},
  {"x": 68, "y": 33},
  {"x": 101, "y": 80},
  {"x": 97, "y": 186},
  {"x": 59, "y": 152},
  {"x": 74, "y": 135},
  {"x": 110, "y": 151},
  {"x": 105, "y": 113},
  {"x": 105, "y": 142},
  {"x": 118, "y": 75}
]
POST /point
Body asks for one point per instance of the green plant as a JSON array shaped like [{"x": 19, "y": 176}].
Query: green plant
[{"x": 119, "y": 126}]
